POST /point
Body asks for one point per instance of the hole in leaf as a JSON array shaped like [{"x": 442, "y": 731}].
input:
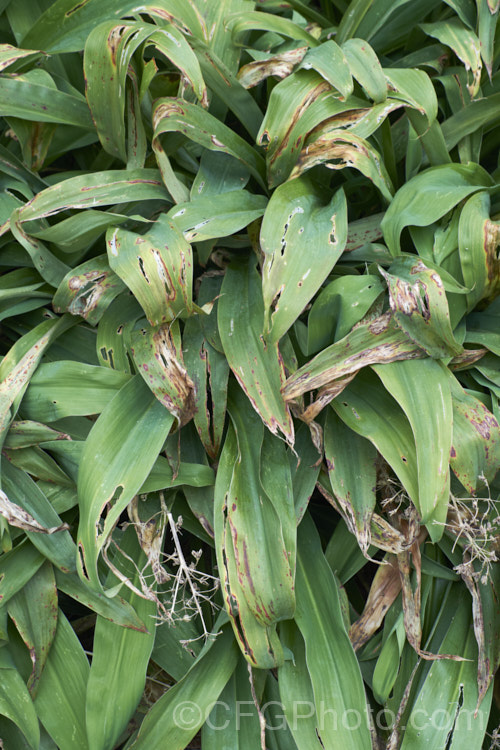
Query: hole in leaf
[
  {"x": 81, "y": 557},
  {"x": 142, "y": 269}
]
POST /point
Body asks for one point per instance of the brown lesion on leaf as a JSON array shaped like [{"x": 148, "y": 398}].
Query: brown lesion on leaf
[
  {"x": 164, "y": 275},
  {"x": 311, "y": 376},
  {"x": 167, "y": 109},
  {"x": 380, "y": 324},
  {"x": 384, "y": 590},
  {"x": 411, "y": 595},
  {"x": 382, "y": 534},
  {"x": 114, "y": 39},
  {"x": 409, "y": 299},
  {"x": 383, "y": 353},
  {"x": 332, "y": 150},
  {"x": 230, "y": 597},
  {"x": 466, "y": 359},
  {"x": 87, "y": 289},
  {"x": 170, "y": 360},
  {"x": 491, "y": 244},
  {"x": 76, "y": 8},
  {"x": 154, "y": 10},
  {"x": 150, "y": 534},
  {"x": 485, "y": 425},
  {"x": 484, "y": 672},
  {"x": 279, "y": 66},
  {"x": 313, "y": 94},
  {"x": 344, "y": 120},
  {"x": 21, "y": 519},
  {"x": 324, "y": 397},
  {"x": 362, "y": 231},
  {"x": 17, "y": 54},
  {"x": 216, "y": 142}
]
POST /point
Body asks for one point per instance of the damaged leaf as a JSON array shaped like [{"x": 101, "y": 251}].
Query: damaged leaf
[
  {"x": 19, "y": 364},
  {"x": 302, "y": 238},
  {"x": 16, "y": 516},
  {"x": 475, "y": 450},
  {"x": 259, "y": 643},
  {"x": 10, "y": 54},
  {"x": 449, "y": 684},
  {"x": 48, "y": 534},
  {"x": 363, "y": 230},
  {"x": 88, "y": 290},
  {"x": 209, "y": 371},
  {"x": 260, "y": 517},
  {"x": 157, "y": 267},
  {"x": 420, "y": 307},
  {"x": 376, "y": 341},
  {"x": 257, "y": 365},
  {"x": 206, "y": 218},
  {"x": 157, "y": 354},
  {"x": 179, "y": 116},
  {"x": 350, "y": 460},
  {"x": 108, "y": 52},
  {"x": 464, "y": 43},
  {"x": 120, "y": 451},
  {"x": 429, "y": 412},
  {"x": 296, "y": 105},
  {"x": 26, "y": 433},
  {"x": 34, "y": 612},
  {"x": 337, "y": 149},
  {"x": 384, "y": 589},
  {"x": 478, "y": 241},
  {"x": 92, "y": 190},
  {"x": 278, "y": 66}
]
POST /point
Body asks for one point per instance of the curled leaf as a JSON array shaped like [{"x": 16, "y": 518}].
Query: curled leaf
[
  {"x": 278, "y": 66},
  {"x": 338, "y": 149}
]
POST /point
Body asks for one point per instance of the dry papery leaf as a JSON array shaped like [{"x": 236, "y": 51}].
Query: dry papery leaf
[
  {"x": 385, "y": 587},
  {"x": 412, "y": 598},
  {"x": 382, "y": 534},
  {"x": 279, "y": 66},
  {"x": 16, "y": 516},
  {"x": 467, "y": 574},
  {"x": 324, "y": 396}
]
